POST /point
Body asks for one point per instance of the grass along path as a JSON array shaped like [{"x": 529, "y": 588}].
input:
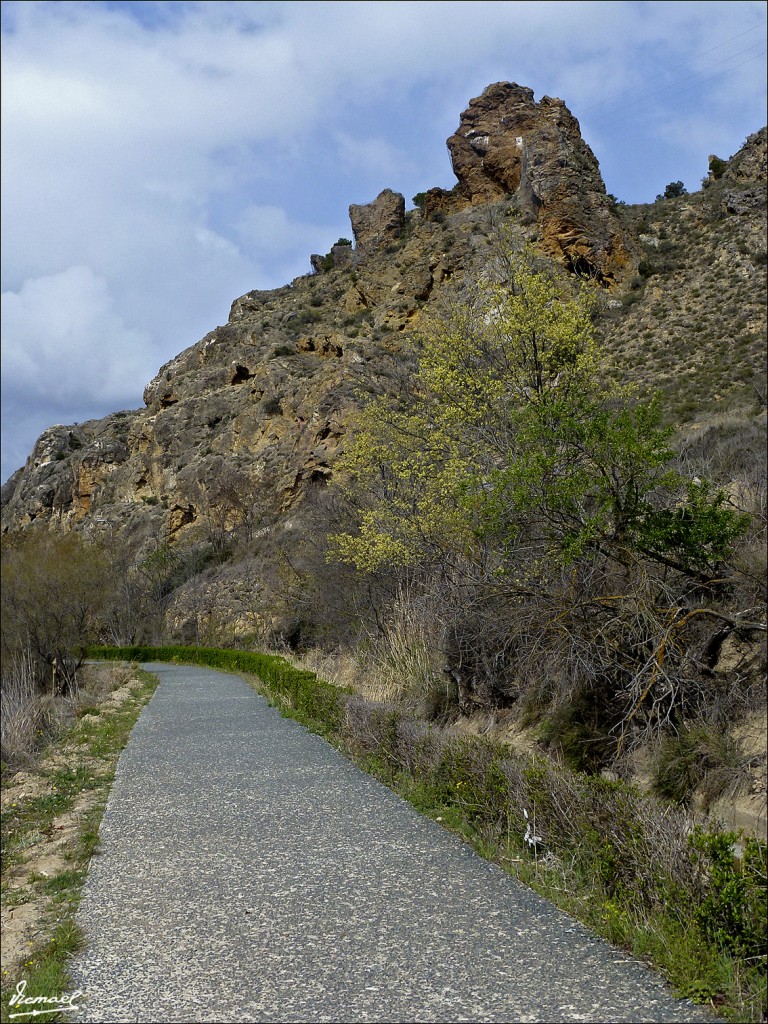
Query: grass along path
[
  {"x": 646, "y": 875},
  {"x": 50, "y": 821}
]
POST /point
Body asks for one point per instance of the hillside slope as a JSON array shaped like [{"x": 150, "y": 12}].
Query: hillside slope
[{"x": 243, "y": 428}]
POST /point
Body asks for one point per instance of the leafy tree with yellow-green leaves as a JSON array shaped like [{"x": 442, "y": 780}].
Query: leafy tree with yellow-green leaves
[
  {"x": 510, "y": 429},
  {"x": 518, "y": 485}
]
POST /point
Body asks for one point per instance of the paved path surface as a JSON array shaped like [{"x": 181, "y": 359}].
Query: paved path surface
[{"x": 248, "y": 872}]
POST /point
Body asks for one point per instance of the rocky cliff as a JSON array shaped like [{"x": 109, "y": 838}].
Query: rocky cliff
[
  {"x": 509, "y": 145},
  {"x": 259, "y": 407}
]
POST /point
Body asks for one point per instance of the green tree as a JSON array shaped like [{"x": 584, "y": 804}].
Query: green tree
[
  {"x": 674, "y": 190},
  {"x": 538, "y": 504},
  {"x": 56, "y": 593},
  {"x": 510, "y": 428},
  {"x": 717, "y": 167}
]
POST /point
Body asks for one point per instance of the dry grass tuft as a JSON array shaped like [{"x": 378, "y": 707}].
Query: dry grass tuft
[{"x": 30, "y": 720}]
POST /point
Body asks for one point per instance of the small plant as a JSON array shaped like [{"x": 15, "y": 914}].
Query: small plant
[
  {"x": 271, "y": 406},
  {"x": 646, "y": 268},
  {"x": 699, "y": 756},
  {"x": 733, "y": 911}
]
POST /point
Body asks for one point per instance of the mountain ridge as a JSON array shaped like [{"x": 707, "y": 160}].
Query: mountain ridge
[{"x": 256, "y": 412}]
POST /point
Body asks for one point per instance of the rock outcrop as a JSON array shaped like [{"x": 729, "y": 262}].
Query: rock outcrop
[
  {"x": 341, "y": 255},
  {"x": 509, "y": 146},
  {"x": 750, "y": 164},
  {"x": 380, "y": 222}
]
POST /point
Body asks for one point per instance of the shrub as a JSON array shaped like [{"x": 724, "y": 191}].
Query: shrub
[
  {"x": 717, "y": 167},
  {"x": 674, "y": 190},
  {"x": 732, "y": 908},
  {"x": 271, "y": 406},
  {"x": 698, "y": 755},
  {"x": 317, "y": 703}
]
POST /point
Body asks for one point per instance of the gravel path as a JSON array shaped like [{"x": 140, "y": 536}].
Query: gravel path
[{"x": 248, "y": 872}]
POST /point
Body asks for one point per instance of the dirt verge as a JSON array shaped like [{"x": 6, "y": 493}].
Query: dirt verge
[{"x": 51, "y": 814}]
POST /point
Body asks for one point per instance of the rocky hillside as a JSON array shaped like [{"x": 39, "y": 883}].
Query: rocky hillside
[{"x": 247, "y": 422}]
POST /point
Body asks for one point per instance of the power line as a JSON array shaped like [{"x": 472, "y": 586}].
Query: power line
[
  {"x": 700, "y": 80},
  {"x": 617, "y": 117},
  {"x": 688, "y": 60}
]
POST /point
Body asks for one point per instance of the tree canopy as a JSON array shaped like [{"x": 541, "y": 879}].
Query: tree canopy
[
  {"x": 537, "y": 509},
  {"x": 510, "y": 430}
]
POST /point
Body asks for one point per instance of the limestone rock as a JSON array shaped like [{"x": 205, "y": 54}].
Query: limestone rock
[
  {"x": 507, "y": 145},
  {"x": 744, "y": 201},
  {"x": 439, "y": 202},
  {"x": 750, "y": 164},
  {"x": 90, "y": 471},
  {"x": 380, "y": 222},
  {"x": 324, "y": 345},
  {"x": 9, "y": 487},
  {"x": 341, "y": 255}
]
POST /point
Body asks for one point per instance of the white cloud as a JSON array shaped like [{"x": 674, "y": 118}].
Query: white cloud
[
  {"x": 373, "y": 155},
  {"x": 269, "y": 230},
  {"x": 63, "y": 338}
]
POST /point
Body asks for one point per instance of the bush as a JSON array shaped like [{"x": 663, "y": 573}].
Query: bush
[
  {"x": 270, "y": 406},
  {"x": 698, "y": 756},
  {"x": 717, "y": 167},
  {"x": 674, "y": 190},
  {"x": 317, "y": 703},
  {"x": 56, "y": 595},
  {"x": 732, "y": 908}
]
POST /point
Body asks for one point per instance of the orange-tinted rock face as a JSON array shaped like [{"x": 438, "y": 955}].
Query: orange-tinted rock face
[
  {"x": 509, "y": 145},
  {"x": 378, "y": 222}
]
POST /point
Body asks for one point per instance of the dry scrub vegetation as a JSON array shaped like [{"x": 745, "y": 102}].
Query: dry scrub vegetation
[
  {"x": 511, "y": 533},
  {"x": 60, "y": 754}
]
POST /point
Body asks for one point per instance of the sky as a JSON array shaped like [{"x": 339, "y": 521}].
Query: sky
[{"x": 160, "y": 159}]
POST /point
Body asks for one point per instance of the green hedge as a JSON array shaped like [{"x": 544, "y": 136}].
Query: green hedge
[{"x": 316, "y": 703}]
